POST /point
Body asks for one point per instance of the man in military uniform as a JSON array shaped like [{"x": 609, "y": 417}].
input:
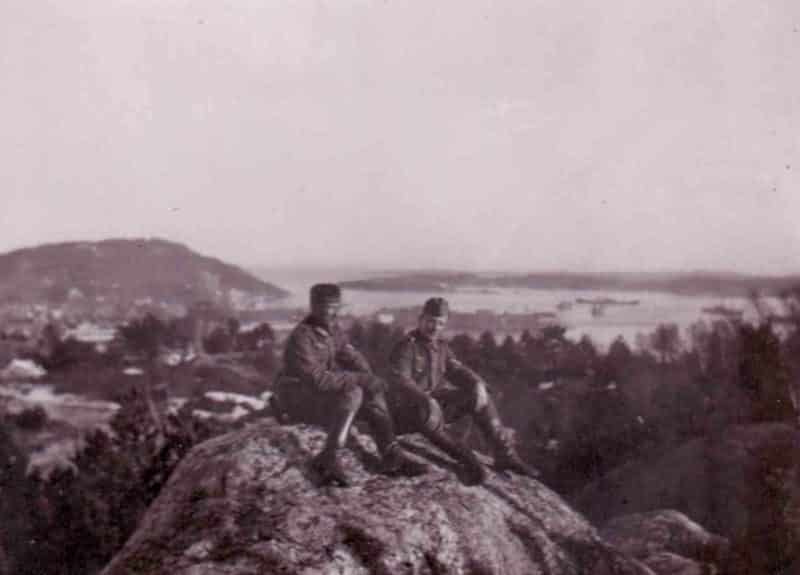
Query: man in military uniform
[
  {"x": 429, "y": 387},
  {"x": 326, "y": 381}
]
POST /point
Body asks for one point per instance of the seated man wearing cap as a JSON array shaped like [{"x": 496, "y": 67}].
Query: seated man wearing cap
[
  {"x": 325, "y": 380},
  {"x": 428, "y": 385}
]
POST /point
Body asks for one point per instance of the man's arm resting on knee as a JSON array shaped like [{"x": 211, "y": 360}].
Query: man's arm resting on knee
[
  {"x": 350, "y": 358},
  {"x": 301, "y": 362},
  {"x": 462, "y": 376},
  {"x": 401, "y": 365}
]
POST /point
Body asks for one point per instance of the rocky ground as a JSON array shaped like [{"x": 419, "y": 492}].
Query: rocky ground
[{"x": 246, "y": 503}]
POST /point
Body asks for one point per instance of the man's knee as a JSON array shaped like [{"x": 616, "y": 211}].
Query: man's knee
[
  {"x": 480, "y": 398},
  {"x": 350, "y": 397},
  {"x": 469, "y": 400},
  {"x": 430, "y": 416},
  {"x": 372, "y": 385}
]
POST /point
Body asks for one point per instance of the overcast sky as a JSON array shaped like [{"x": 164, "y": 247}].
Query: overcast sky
[{"x": 531, "y": 134}]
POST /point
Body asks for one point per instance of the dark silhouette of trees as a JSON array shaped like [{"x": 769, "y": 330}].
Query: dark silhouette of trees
[
  {"x": 605, "y": 433},
  {"x": 466, "y": 349},
  {"x": 144, "y": 336},
  {"x": 256, "y": 339},
  {"x": 14, "y": 519},
  {"x": 67, "y": 354},
  {"x": 78, "y": 517},
  {"x": 666, "y": 342},
  {"x": 580, "y": 358},
  {"x": 764, "y": 374},
  {"x": 618, "y": 359},
  {"x": 375, "y": 341},
  {"x": 220, "y": 340}
]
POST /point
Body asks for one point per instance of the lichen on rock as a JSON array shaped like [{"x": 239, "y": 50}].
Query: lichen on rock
[{"x": 246, "y": 503}]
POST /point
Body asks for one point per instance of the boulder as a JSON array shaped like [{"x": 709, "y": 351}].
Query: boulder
[
  {"x": 247, "y": 503},
  {"x": 668, "y": 542},
  {"x": 666, "y": 563}
]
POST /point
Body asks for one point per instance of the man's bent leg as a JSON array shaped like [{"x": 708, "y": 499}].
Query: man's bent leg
[
  {"x": 376, "y": 412},
  {"x": 430, "y": 422},
  {"x": 345, "y": 405},
  {"x": 501, "y": 440}
]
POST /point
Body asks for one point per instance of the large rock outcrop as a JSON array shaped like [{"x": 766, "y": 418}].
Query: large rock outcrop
[
  {"x": 668, "y": 542},
  {"x": 245, "y": 503}
]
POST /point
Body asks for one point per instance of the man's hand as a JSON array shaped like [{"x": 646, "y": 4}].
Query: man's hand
[
  {"x": 435, "y": 419},
  {"x": 371, "y": 385},
  {"x": 482, "y": 396}
]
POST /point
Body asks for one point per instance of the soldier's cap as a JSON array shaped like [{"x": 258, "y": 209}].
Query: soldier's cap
[
  {"x": 436, "y": 307},
  {"x": 326, "y": 293}
]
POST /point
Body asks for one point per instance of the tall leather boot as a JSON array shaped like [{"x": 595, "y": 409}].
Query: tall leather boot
[
  {"x": 396, "y": 461},
  {"x": 501, "y": 440},
  {"x": 474, "y": 471},
  {"x": 326, "y": 463}
]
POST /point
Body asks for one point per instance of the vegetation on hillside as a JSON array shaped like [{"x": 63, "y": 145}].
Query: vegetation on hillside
[
  {"x": 120, "y": 272},
  {"x": 578, "y": 411}
]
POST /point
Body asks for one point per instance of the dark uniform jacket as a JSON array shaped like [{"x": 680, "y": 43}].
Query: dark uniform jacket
[
  {"x": 321, "y": 358},
  {"x": 427, "y": 364}
]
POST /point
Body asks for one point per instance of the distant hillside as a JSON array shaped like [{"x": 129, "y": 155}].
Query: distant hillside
[
  {"x": 123, "y": 271},
  {"x": 687, "y": 283},
  {"x": 416, "y": 281}
]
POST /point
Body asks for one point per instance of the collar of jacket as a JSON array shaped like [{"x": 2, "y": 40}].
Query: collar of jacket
[
  {"x": 311, "y": 321},
  {"x": 430, "y": 342}
]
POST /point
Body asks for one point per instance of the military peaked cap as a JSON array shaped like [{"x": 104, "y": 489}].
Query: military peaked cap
[
  {"x": 326, "y": 293},
  {"x": 436, "y": 307}
]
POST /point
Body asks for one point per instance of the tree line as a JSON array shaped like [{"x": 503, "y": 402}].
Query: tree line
[{"x": 578, "y": 411}]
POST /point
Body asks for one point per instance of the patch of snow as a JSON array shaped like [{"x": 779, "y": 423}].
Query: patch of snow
[
  {"x": 282, "y": 325},
  {"x": 237, "y": 413},
  {"x": 249, "y": 326},
  {"x": 172, "y": 359},
  {"x": 91, "y": 333},
  {"x": 385, "y": 318},
  {"x": 133, "y": 371},
  {"x": 74, "y": 409},
  {"x": 174, "y": 404},
  {"x": 22, "y": 369},
  {"x": 75, "y": 293},
  {"x": 56, "y": 455},
  {"x": 237, "y": 398}
]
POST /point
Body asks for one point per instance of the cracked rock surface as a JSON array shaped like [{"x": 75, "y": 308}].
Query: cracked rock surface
[{"x": 246, "y": 503}]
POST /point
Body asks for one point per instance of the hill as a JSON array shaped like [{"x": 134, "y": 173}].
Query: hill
[
  {"x": 684, "y": 283},
  {"x": 123, "y": 271}
]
